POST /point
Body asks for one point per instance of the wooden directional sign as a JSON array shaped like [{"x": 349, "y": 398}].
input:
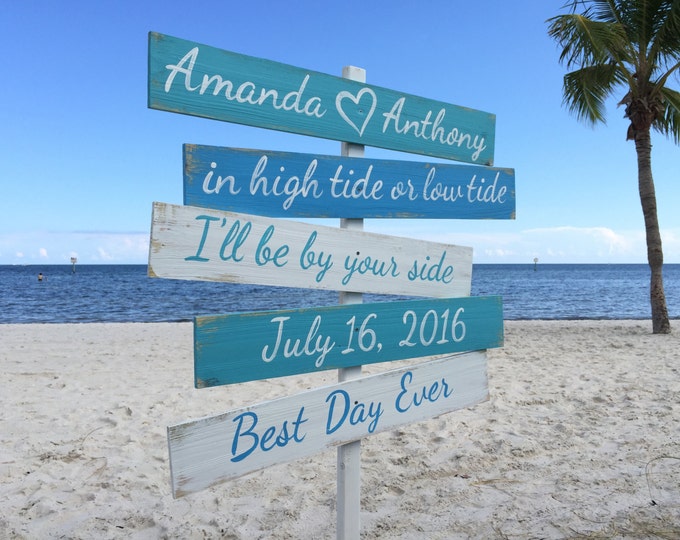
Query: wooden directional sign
[
  {"x": 250, "y": 346},
  {"x": 211, "y": 245},
  {"x": 281, "y": 184},
  {"x": 212, "y": 450},
  {"x": 190, "y": 78}
]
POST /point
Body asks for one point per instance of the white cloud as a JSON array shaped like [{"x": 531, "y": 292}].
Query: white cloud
[
  {"x": 103, "y": 255},
  {"x": 499, "y": 252},
  {"x": 589, "y": 244},
  {"x": 505, "y": 242},
  {"x": 88, "y": 247},
  {"x": 492, "y": 242},
  {"x": 617, "y": 242}
]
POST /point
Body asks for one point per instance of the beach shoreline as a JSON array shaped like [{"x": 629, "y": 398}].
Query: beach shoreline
[{"x": 579, "y": 437}]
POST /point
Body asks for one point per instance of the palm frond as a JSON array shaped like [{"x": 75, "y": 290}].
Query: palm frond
[
  {"x": 583, "y": 41},
  {"x": 603, "y": 10},
  {"x": 669, "y": 124},
  {"x": 634, "y": 44},
  {"x": 666, "y": 44},
  {"x": 672, "y": 70},
  {"x": 587, "y": 89}
]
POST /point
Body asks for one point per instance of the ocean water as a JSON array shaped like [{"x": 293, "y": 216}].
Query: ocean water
[{"x": 124, "y": 293}]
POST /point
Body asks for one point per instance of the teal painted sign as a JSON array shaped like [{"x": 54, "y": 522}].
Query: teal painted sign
[
  {"x": 244, "y": 347},
  {"x": 279, "y": 184},
  {"x": 190, "y": 78}
]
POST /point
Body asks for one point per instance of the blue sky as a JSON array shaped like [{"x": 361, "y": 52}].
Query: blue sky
[{"x": 83, "y": 157}]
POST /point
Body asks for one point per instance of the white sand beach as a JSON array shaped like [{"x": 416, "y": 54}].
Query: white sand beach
[{"x": 580, "y": 438}]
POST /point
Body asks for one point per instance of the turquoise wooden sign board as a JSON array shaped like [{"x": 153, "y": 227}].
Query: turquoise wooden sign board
[
  {"x": 195, "y": 79},
  {"x": 244, "y": 347},
  {"x": 280, "y": 184}
]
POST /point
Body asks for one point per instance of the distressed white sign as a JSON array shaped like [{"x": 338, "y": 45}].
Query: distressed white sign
[
  {"x": 212, "y": 450},
  {"x": 198, "y": 243}
]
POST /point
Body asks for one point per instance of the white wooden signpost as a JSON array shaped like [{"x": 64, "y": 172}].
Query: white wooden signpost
[{"x": 229, "y": 231}]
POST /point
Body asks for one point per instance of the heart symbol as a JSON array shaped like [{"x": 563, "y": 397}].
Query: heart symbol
[{"x": 358, "y": 111}]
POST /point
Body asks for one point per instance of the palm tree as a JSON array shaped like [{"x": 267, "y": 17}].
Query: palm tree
[{"x": 633, "y": 46}]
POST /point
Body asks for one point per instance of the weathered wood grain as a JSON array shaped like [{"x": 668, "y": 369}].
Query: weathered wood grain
[
  {"x": 251, "y": 346},
  {"x": 191, "y": 78},
  {"x": 281, "y": 184},
  {"x": 212, "y": 450},
  {"x": 212, "y": 245}
]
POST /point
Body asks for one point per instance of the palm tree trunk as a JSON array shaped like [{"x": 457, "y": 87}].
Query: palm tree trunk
[{"x": 643, "y": 147}]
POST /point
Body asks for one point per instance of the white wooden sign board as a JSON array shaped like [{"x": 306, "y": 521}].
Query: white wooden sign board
[
  {"x": 213, "y": 450},
  {"x": 198, "y": 243}
]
